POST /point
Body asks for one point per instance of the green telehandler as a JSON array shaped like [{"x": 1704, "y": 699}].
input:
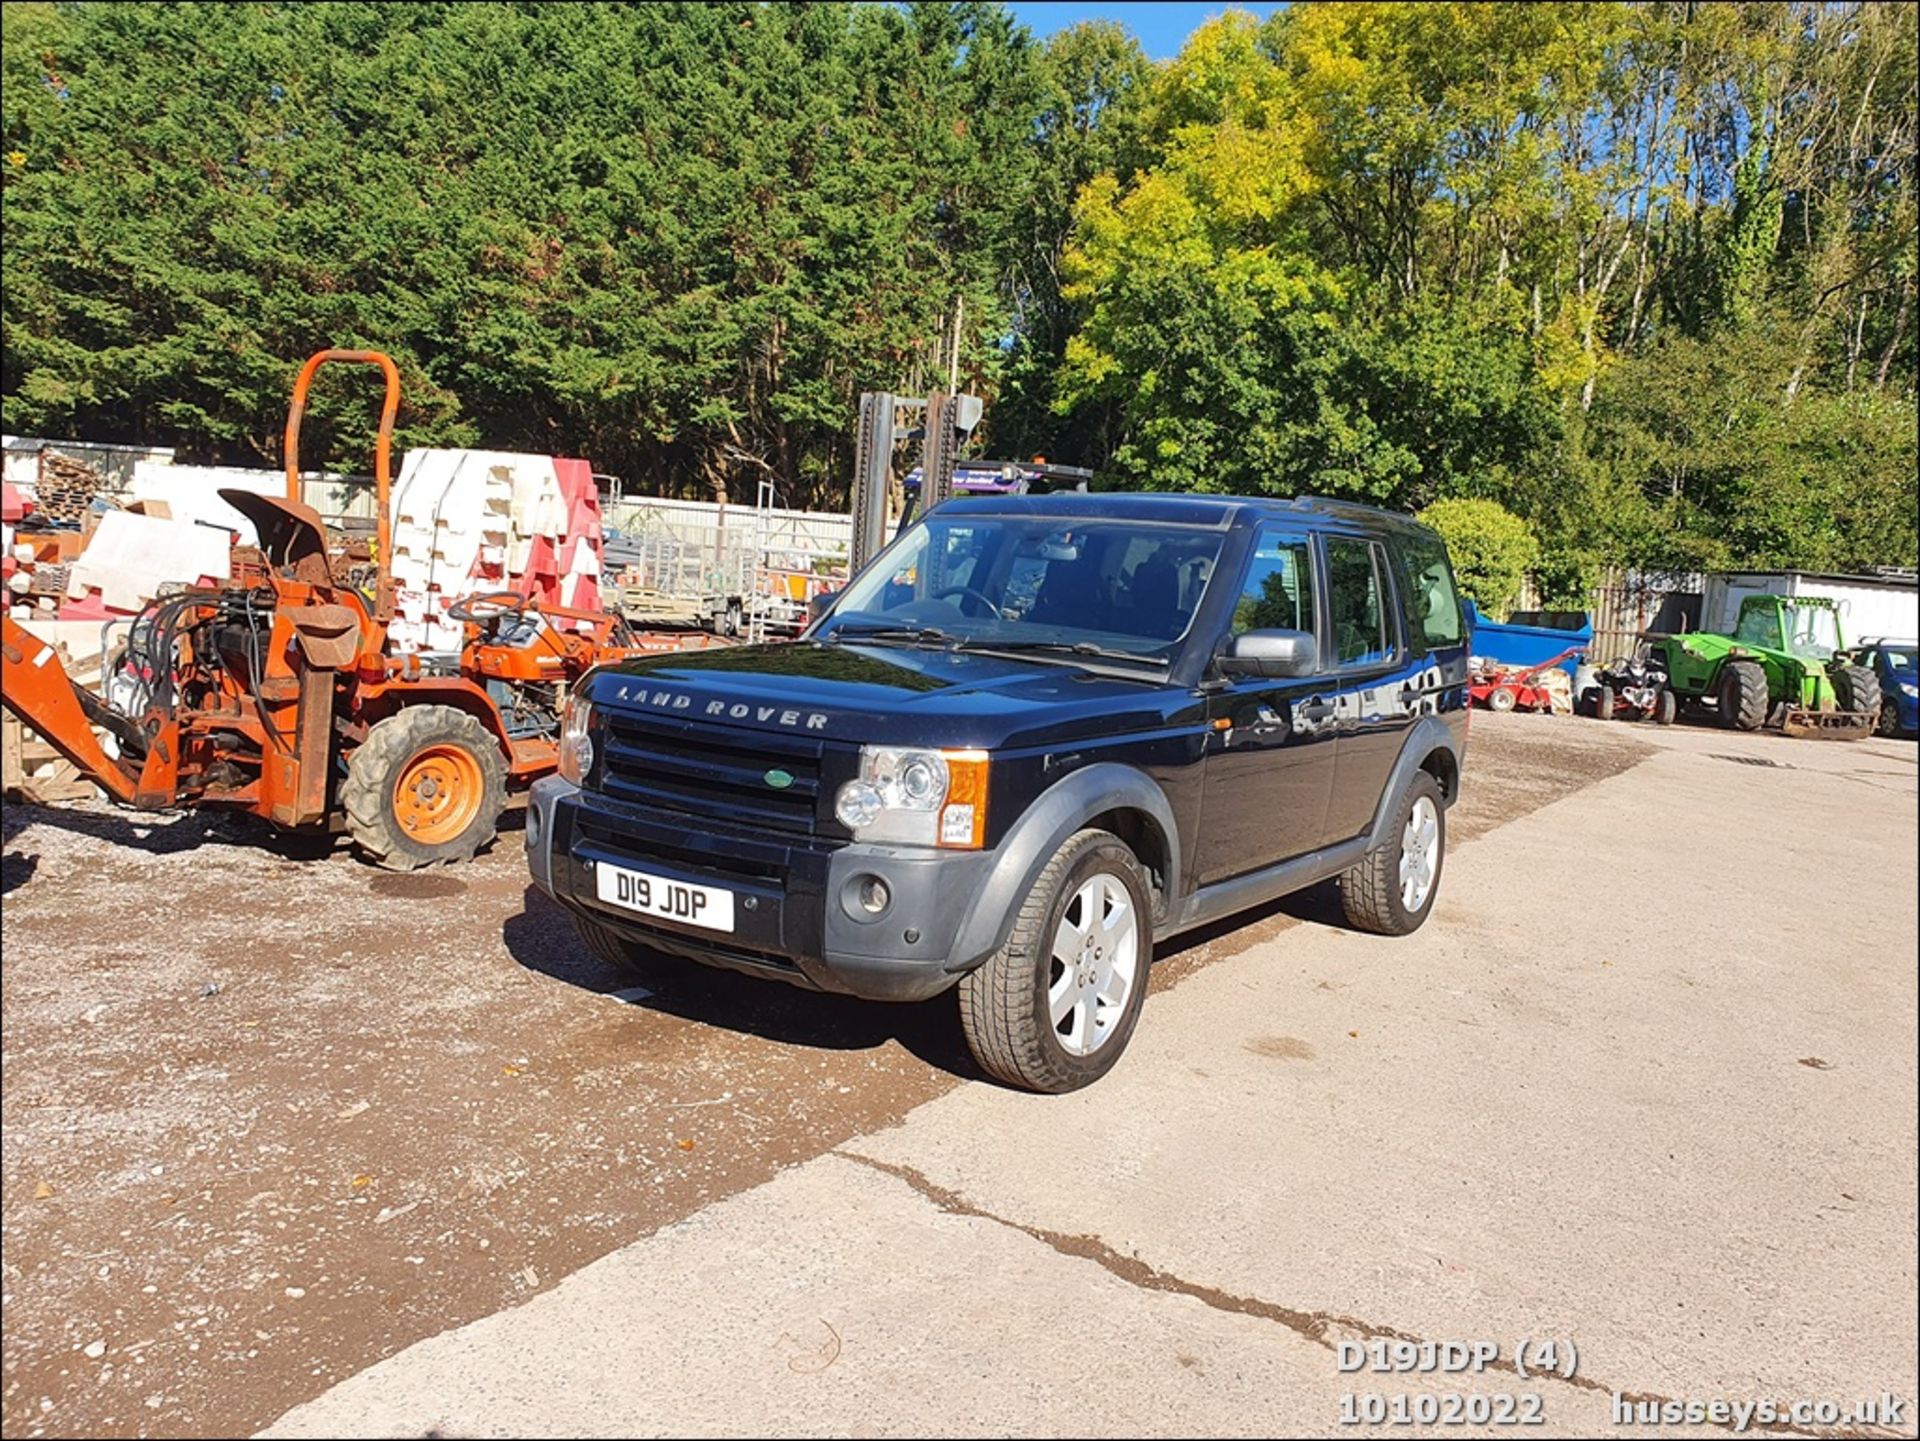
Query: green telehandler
[{"x": 1784, "y": 665}]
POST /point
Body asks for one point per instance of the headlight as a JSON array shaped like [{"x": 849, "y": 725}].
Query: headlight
[
  {"x": 576, "y": 746},
  {"x": 917, "y": 797},
  {"x": 1909, "y": 690}
]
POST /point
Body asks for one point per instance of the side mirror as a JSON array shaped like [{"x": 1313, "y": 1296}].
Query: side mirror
[
  {"x": 1271, "y": 653},
  {"x": 817, "y": 606}
]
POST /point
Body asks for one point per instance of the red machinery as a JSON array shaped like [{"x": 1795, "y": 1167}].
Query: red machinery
[
  {"x": 1505, "y": 689},
  {"x": 274, "y": 693}
]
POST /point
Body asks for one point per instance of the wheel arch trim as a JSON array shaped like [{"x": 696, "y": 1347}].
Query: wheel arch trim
[
  {"x": 1430, "y": 739},
  {"x": 1062, "y": 809}
]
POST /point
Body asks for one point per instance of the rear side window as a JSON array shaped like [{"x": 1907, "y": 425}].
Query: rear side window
[
  {"x": 1357, "y": 594},
  {"x": 1278, "y": 593},
  {"x": 1432, "y": 604}
]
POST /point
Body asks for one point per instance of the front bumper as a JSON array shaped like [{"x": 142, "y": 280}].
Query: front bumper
[{"x": 797, "y": 916}]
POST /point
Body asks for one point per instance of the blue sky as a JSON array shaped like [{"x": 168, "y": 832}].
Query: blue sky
[{"x": 1161, "y": 27}]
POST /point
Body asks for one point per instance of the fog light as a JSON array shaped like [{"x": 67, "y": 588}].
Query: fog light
[
  {"x": 533, "y": 828},
  {"x": 874, "y": 895}
]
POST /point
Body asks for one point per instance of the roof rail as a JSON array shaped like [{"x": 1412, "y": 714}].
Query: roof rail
[{"x": 1332, "y": 506}]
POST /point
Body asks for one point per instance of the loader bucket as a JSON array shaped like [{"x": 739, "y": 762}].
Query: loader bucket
[{"x": 1827, "y": 725}]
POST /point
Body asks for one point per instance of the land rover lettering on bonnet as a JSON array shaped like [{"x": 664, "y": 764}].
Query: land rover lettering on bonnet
[
  {"x": 1035, "y": 736},
  {"x": 735, "y": 710}
]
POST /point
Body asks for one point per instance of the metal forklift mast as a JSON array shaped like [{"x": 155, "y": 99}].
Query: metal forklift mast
[{"x": 945, "y": 421}]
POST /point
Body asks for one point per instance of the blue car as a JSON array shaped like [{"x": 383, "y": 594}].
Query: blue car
[{"x": 1893, "y": 662}]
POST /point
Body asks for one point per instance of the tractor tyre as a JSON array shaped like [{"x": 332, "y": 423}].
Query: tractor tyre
[
  {"x": 1857, "y": 689},
  {"x": 1603, "y": 703},
  {"x": 1500, "y": 699},
  {"x": 424, "y": 788},
  {"x": 1665, "y": 708},
  {"x": 1742, "y": 694}
]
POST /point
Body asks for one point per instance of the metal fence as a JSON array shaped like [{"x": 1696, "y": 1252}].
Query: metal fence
[
  {"x": 1625, "y": 604},
  {"x": 760, "y": 561}
]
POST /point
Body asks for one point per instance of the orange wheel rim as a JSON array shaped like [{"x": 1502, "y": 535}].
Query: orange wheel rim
[{"x": 438, "y": 794}]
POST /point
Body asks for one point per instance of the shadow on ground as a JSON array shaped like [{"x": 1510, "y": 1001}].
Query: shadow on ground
[
  {"x": 542, "y": 938},
  {"x": 169, "y": 833},
  {"x": 173, "y": 832}
]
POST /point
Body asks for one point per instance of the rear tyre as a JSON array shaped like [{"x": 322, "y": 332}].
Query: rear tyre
[
  {"x": 1390, "y": 890},
  {"x": 1665, "y": 708},
  {"x": 1603, "y": 703},
  {"x": 1742, "y": 694},
  {"x": 1500, "y": 699},
  {"x": 1857, "y": 689},
  {"x": 1052, "y": 1009},
  {"x": 613, "y": 950},
  {"x": 426, "y": 787}
]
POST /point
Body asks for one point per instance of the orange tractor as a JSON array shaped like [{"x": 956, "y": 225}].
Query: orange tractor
[{"x": 274, "y": 694}]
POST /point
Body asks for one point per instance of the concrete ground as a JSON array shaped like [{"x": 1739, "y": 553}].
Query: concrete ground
[{"x": 1643, "y": 1087}]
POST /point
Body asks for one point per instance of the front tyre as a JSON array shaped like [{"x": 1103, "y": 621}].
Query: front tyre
[
  {"x": 424, "y": 788},
  {"x": 1743, "y": 695},
  {"x": 629, "y": 959},
  {"x": 1857, "y": 689},
  {"x": 1052, "y": 1009},
  {"x": 1390, "y": 890}
]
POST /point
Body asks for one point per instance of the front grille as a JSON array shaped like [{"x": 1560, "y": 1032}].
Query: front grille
[
  {"x": 764, "y": 862},
  {"x": 716, "y": 774}
]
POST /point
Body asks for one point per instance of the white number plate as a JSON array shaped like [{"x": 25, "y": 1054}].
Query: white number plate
[{"x": 706, "y": 906}]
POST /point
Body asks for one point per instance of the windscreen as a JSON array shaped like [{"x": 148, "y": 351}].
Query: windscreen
[
  {"x": 1120, "y": 586},
  {"x": 1813, "y": 632}
]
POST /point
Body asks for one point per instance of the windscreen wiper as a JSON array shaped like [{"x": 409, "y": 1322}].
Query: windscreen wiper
[
  {"x": 918, "y": 634},
  {"x": 1061, "y": 647}
]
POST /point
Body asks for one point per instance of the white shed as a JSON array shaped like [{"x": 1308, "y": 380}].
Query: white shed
[{"x": 1886, "y": 604}]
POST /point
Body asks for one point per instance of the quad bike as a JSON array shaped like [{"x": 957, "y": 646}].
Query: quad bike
[
  {"x": 1634, "y": 689},
  {"x": 274, "y": 695}
]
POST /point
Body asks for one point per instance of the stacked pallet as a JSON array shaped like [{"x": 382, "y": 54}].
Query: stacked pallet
[
  {"x": 66, "y": 487},
  {"x": 34, "y": 772}
]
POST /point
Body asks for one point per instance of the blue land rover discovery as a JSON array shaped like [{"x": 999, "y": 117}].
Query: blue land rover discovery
[{"x": 1036, "y": 735}]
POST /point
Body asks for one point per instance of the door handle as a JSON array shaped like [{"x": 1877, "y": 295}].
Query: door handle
[{"x": 1314, "y": 708}]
